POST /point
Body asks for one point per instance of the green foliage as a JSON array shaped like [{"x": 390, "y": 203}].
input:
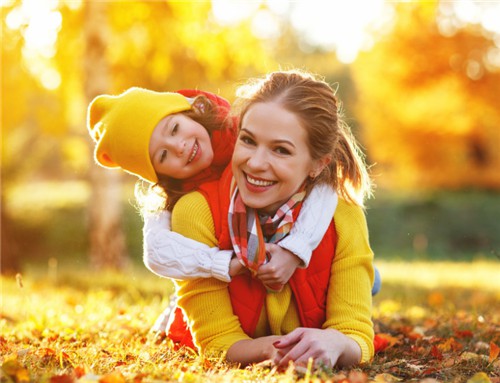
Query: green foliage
[{"x": 454, "y": 226}]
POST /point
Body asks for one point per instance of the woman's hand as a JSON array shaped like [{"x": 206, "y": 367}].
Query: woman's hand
[
  {"x": 256, "y": 350},
  {"x": 280, "y": 268},
  {"x": 327, "y": 347}
]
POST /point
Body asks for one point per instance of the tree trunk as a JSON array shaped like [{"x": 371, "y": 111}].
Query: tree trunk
[{"x": 107, "y": 241}]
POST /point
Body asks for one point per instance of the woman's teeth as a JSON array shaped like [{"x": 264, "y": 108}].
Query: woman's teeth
[
  {"x": 193, "y": 154},
  {"x": 255, "y": 182}
]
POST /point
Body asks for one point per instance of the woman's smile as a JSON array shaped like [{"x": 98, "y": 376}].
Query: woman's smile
[
  {"x": 259, "y": 182},
  {"x": 271, "y": 158}
]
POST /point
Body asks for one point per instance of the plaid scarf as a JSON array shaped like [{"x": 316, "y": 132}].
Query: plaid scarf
[{"x": 249, "y": 232}]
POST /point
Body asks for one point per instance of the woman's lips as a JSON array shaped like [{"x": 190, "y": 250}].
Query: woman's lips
[{"x": 257, "y": 185}]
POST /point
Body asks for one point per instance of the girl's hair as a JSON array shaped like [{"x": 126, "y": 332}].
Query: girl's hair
[
  {"x": 314, "y": 103},
  {"x": 167, "y": 191}
]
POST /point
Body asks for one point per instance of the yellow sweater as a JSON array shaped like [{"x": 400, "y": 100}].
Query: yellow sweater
[{"x": 207, "y": 303}]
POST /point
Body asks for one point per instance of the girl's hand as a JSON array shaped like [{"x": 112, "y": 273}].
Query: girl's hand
[
  {"x": 280, "y": 268},
  {"x": 327, "y": 347},
  {"x": 235, "y": 267}
]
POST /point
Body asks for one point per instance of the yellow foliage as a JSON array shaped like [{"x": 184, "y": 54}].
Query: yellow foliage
[{"x": 426, "y": 122}]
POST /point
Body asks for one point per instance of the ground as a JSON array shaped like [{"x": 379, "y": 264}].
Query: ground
[{"x": 438, "y": 322}]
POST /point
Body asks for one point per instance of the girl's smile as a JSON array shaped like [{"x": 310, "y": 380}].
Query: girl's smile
[{"x": 180, "y": 147}]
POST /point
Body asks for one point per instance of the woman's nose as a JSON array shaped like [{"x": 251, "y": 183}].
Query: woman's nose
[{"x": 258, "y": 160}]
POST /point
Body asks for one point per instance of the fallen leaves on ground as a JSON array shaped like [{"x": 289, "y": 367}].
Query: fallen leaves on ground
[{"x": 65, "y": 334}]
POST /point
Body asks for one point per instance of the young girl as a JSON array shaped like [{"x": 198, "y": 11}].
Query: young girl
[{"x": 178, "y": 141}]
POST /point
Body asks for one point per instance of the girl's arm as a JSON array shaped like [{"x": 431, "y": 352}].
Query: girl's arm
[
  {"x": 295, "y": 250},
  {"x": 311, "y": 225},
  {"x": 171, "y": 255}
]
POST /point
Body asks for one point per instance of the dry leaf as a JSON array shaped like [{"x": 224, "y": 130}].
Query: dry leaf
[{"x": 494, "y": 351}]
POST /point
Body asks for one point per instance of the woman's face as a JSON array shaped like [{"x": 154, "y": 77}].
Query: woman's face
[
  {"x": 271, "y": 159},
  {"x": 180, "y": 147}
]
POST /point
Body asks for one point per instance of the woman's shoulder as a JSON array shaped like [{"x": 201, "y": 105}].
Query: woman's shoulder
[{"x": 348, "y": 211}]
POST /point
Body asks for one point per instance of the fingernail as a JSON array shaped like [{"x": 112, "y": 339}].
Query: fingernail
[{"x": 276, "y": 344}]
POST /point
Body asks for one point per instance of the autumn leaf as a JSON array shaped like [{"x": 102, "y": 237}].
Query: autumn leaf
[
  {"x": 62, "y": 379},
  {"x": 479, "y": 377},
  {"x": 494, "y": 351},
  {"x": 114, "y": 377},
  {"x": 384, "y": 341},
  {"x": 386, "y": 378},
  {"x": 12, "y": 368}
]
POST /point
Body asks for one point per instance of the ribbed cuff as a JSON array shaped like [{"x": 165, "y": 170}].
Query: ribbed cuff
[
  {"x": 366, "y": 350},
  {"x": 220, "y": 265},
  {"x": 298, "y": 245}
]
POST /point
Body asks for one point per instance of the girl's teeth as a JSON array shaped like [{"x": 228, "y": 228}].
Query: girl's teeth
[
  {"x": 255, "y": 182},
  {"x": 195, "y": 150}
]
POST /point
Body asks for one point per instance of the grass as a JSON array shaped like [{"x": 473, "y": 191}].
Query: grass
[{"x": 441, "y": 321}]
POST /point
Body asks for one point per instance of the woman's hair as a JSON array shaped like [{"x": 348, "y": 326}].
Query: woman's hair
[
  {"x": 314, "y": 103},
  {"x": 167, "y": 191}
]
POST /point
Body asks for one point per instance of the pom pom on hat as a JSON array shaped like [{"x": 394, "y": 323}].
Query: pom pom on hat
[{"x": 122, "y": 125}]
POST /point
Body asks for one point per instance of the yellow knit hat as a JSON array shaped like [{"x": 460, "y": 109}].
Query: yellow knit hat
[{"x": 122, "y": 126}]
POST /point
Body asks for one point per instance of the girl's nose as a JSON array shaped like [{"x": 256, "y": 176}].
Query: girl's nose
[{"x": 179, "y": 147}]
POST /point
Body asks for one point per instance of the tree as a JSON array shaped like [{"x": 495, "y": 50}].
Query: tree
[
  {"x": 107, "y": 241},
  {"x": 427, "y": 106}
]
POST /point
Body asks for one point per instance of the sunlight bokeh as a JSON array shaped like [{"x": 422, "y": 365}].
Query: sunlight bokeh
[{"x": 39, "y": 22}]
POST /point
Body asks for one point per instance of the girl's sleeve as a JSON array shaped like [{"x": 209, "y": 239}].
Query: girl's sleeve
[
  {"x": 172, "y": 255},
  {"x": 311, "y": 225},
  {"x": 205, "y": 301},
  {"x": 349, "y": 302}
]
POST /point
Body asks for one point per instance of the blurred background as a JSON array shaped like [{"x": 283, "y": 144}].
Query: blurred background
[{"x": 419, "y": 82}]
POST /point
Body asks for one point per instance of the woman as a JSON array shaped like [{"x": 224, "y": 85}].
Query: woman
[{"x": 290, "y": 139}]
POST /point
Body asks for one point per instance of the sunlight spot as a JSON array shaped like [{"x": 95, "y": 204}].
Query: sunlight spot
[
  {"x": 417, "y": 312},
  {"x": 389, "y": 306},
  {"x": 50, "y": 313},
  {"x": 265, "y": 26},
  {"x": 474, "y": 70},
  {"x": 480, "y": 319},
  {"x": 230, "y": 12},
  {"x": 15, "y": 19},
  {"x": 79, "y": 309},
  {"x": 345, "y": 27},
  {"x": 493, "y": 57},
  {"x": 51, "y": 79},
  {"x": 279, "y": 7}
]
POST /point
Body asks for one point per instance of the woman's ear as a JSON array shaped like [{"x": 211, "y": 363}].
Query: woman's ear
[{"x": 319, "y": 165}]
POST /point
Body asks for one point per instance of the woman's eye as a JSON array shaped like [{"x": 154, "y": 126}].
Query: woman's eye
[
  {"x": 163, "y": 155},
  {"x": 175, "y": 129},
  {"x": 246, "y": 140},
  {"x": 281, "y": 150}
]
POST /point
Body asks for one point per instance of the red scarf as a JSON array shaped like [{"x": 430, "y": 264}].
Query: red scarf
[{"x": 249, "y": 232}]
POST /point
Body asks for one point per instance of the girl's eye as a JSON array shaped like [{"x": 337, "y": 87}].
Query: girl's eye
[
  {"x": 282, "y": 150},
  {"x": 163, "y": 156},
  {"x": 175, "y": 129}
]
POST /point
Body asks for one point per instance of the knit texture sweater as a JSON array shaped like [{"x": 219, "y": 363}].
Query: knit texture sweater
[{"x": 207, "y": 303}]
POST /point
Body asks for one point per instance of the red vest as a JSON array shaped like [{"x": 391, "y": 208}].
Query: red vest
[{"x": 309, "y": 286}]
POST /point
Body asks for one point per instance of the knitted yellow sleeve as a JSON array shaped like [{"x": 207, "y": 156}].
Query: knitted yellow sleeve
[
  {"x": 206, "y": 300},
  {"x": 349, "y": 299}
]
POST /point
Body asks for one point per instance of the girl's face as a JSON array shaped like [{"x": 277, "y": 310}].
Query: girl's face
[
  {"x": 180, "y": 147},
  {"x": 271, "y": 159}
]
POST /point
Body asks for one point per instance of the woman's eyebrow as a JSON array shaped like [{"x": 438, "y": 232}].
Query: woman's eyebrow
[{"x": 278, "y": 141}]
